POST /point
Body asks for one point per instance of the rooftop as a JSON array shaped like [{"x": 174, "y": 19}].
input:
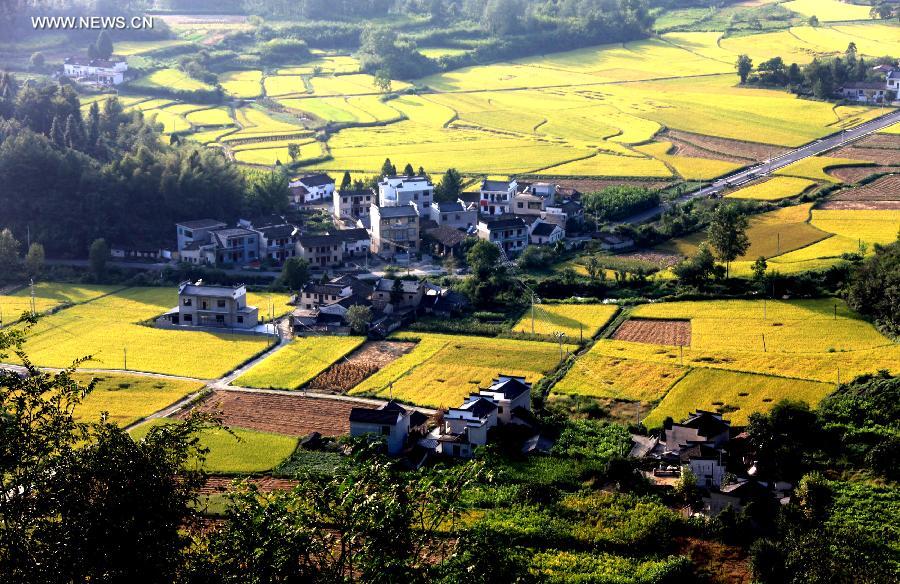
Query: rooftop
[
  {"x": 495, "y": 185},
  {"x": 510, "y": 386},
  {"x": 383, "y": 417},
  {"x": 503, "y": 222},
  {"x": 480, "y": 408},
  {"x": 315, "y": 180},
  {"x": 401, "y": 211},
  {"x": 201, "y": 289},
  {"x": 544, "y": 229},
  {"x": 202, "y": 224},
  {"x": 387, "y": 285}
]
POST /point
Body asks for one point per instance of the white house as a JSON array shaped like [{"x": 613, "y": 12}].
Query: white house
[
  {"x": 707, "y": 464},
  {"x": 545, "y": 233},
  {"x": 497, "y": 196},
  {"x": 102, "y": 71},
  {"x": 508, "y": 392},
  {"x": 396, "y": 191},
  {"x": 311, "y": 188},
  {"x": 390, "y": 421}
]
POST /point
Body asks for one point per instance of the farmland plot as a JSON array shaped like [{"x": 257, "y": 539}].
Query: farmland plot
[
  {"x": 597, "y": 375},
  {"x": 242, "y": 84},
  {"x": 870, "y": 226},
  {"x": 170, "y": 79},
  {"x": 571, "y": 319},
  {"x": 297, "y": 363},
  {"x": 443, "y": 369},
  {"x": 689, "y": 168},
  {"x": 814, "y": 167},
  {"x": 48, "y": 295},
  {"x": 109, "y": 329},
  {"x": 828, "y": 10},
  {"x": 129, "y": 398},
  {"x": 773, "y": 189}
]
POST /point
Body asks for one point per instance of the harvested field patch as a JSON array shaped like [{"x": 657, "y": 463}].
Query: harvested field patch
[
  {"x": 861, "y": 206},
  {"x": 883, "y": 193},
  {"x": 657, "y": 332},
  {"x": 880, "y": 156},
  {"x": 852, "y": 174},
  {"x": 347, "y": 374},
  {"x": 267, "y": 484},
  {"x": 880, "y": 141},
  {"x": 292, "y": 415},
  {"x": 734, "y": 148},
  {"x": 294, "y": 365},
  {"x": 682, "y": 148},
  {"x": 815, "y": 167}
]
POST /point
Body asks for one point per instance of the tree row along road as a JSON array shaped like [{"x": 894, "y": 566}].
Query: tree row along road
[{"x": 767, "y": 167}]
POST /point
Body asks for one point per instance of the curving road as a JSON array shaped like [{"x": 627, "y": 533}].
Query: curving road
[{"x": 768, "y": 166}]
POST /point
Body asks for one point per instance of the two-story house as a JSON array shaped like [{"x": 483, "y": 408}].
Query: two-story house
[
  {"x": 196, "y": 232},
  {"x": 509, "y": 392},
  {"x": 201, "y": 305},
  {"x": 394, "y": 230},
  {"x": 395, "y": 191},
  {"x": 311, "y": 188},
  {"x": 497, "y": 196},
  {"x": 390, "y": 422},
  {"x": 101, "y": 71},
  {"x": 545, "y": 233},
  {"x": 356, "y": 242},
  {"x": 323, "y": 251},
  {"x": 350, "y": 204},
  {"x": 236, "y": 245},
  {"x": 406, "y": 294},
  {"x": 453, "y": 214},
  {"x": 510, "y": 233}
]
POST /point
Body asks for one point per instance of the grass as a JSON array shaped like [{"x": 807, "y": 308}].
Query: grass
[
  {"x": 170, "y": 79},
  {"x": 814, "y": 167},
  {"x": 107, "y": 327},
  {"x": 773, "y": 189},
  {"x": 688, "y": 167},
  {"x": 129, "y": 398},
  {"x": 571, "y": 319},
  {"x": 299, "y": 362},
  {"x": 48, "y": 295},
  {"x": 242, "y": 84},
  {"x": 771, "y": 234},
  {"x": 238, "y": 451},
  {"x": 868, "y": 226},
  {"x": 736, "y": 395},
  {"x": 442, "y": 369},
  {"x": 828, "y": 10}
]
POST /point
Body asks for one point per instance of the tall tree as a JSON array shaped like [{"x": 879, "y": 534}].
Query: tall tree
[
  {"x": 346, "y": 182},
  {"x": 359, "y": 317},
  {"x": 9, "y": 252},
  {"x": 34, "y": 260},
  {"x": 295, "y": 273},
  {"x": 388, "y": 169},
  {"x": 104, "y": 45},
  {"x": 450, "y": 186},
  {"x": 72, "y": 135},
  {"x": 98, "y": 256},
  {"x": 269, "y": 192},
  {"x": 875, "y": 288},
  {"x": 727, "y": 233},
  {"x": 744, "y": 66},
  {"x": 408, "y": 170}
]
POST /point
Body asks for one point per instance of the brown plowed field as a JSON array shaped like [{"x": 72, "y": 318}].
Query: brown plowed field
[
  {"x": 883, "y": 193},
  {"x": 347, "y": 374},
  {"x": 219, "y": 484},
  {"x": 656, "y": 332},
  {"x": 683, "y": 148},
  {"x": 880, "y": 141},
  {"x": 726, "y": 147},
  {"x": 881, "y": 156},
  {"x": 294, "y": 415},
  {"x": 854, "y": 174}
]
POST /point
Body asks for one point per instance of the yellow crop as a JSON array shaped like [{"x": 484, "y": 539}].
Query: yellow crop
[{"x": 298, "y": 362}]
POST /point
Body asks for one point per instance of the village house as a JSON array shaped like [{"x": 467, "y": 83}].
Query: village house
[
  {"x": 391, "y": 421},
  {"x": 311, "y": 188},
  {"x": 323, "y": 306},
  {"x": 453, "y": 214},
  {"x": 356, "y": 242},
  {"x": 564, "y": 212},
  {"x": 236, "y": 246},
  {"x": 510, "y": 233},
  {"x": 394, "y": 230},
  {"x": 701, "y": 427},
  {"x": 528, "y": 204},
  {"x": 406, "y": 294},
  {"x": 202, "y": 305},
  {"x": 444, "y": 241},
  {"x": 321, "y": 251},
  {"x": 865, "y": 92},
  {"x": 400, "y": 191},
  {"x": 97, "y": 71},
  {"x": 196, "y": 232},
  {"x": 544, "y": 233},
  {"x": 352, "y": 204},
  {"x": 497, "y": 196}
]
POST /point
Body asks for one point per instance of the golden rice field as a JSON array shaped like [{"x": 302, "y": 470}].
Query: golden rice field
[
  {"x": 235, "y": 450},
  {"x": 256, "y": 123},
  {"x": 895, "y": 129},
  {"x": 737, "y": 395},
  {"x": 689, "y": 168},
  {"x": 108, "y": 327},
  {"x": 443, "y": 369},
  {"x": 242, "y": 84},
  {"x": 48, "y": 295},
  {"x": 814, "y": 167},
  {"x": 769, "y": 350},
  {"x": 574, "y": 320},
  {"x": 129, "y": 48},
  {"x": 773, "y": 189},
  {"x": 170, "y": 79},
  {"x": 828, "y": 10},
  {"x": 268, "y": 155},
  {"x": 869, "y": 226},
  {"x": 219, "y": 116},
  {"x": 129, "y": 398},
  {"x": 299, "y": 362}
]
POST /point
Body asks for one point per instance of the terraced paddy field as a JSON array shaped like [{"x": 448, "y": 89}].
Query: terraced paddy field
[
  {"x": 129, "y": 398},
  {"x": 574, "y": 320},
  {"x": 109, "y": 326},
  {"x": 242, "y": 84},
  {"x": 773, "y": 189},
  {"x": 299, "y": 362},
  {"x": 442, "y": 369},
  {"x": 47, "y": 296},
  {"x": 815, "y": 167},
  {"x": 235, "y": 450},
  {"x": 170, "y": 79},
  {"x": 828, "y": 10},
  {"x": 742, "y": 357}
]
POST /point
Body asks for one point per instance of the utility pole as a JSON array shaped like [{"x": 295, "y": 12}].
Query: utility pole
[
  {"x": 532, "y": 313},
  {"x": 835, "y": 311},
  {"x": 764, "y": 342},
  {"x": 125, "y": 354},
  {"x": 764, "y": 308},
  {"x": 33, "y": 311}
]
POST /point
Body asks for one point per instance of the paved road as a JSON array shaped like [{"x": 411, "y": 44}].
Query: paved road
[{"x": 769, "y": 166}]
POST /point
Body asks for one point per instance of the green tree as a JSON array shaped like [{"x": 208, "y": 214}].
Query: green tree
[
  {"x": 295, "y": 273},
  {"x": 383, "y": 80},
  {"x": 98, "y": 256},
  {"x": 450, "y": 186},
  {"x": 388, "y": 169},
  {"x": 759, "y": 271},
  {"x": 698, "y": 270},
  {"x": 37, "y": 61},
  {"x": 34, "y": 260},
  {"x": 727, "y": 234},
  {"x": 9, "y": 252},
  {"x": 346, "y": 182},
  {"x": 408, "y": 170},
  {"x": 93, "y": 52},
  {"x": 874, "y": 289},
  {"x": 744, "y": 66},
  {"x": 359, "y": 317},
  {"x": 104, "y": 45},
  {"x": 294, "y": 151},
  {"x": 397, "y": 292},
  {"x": 268, "y": 192}
]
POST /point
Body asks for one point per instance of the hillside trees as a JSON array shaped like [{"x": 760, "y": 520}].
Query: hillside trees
[
  {"x": 744, "y": 65},
  {"x": 875, "y": 288},
  {"x": 620, "y": 201}
]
